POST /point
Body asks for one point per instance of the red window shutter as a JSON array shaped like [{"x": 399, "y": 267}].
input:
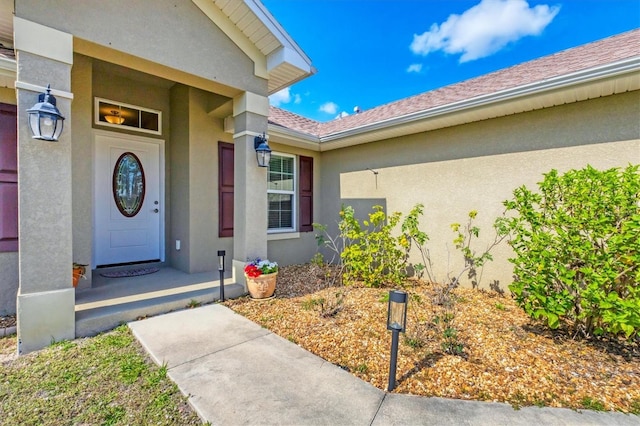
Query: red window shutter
[
  {"x": 306, "y": 194},
  {"x": 8, "y": 178},
  {"x": 225, "y": 189}
]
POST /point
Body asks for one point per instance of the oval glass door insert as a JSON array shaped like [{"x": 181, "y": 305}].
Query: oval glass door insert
[{"x": 128, "y": 184}]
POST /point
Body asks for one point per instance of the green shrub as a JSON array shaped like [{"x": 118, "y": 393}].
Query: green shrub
[
  {"x": 371, "y": 253},
  {"x": 577, "y": 250}
]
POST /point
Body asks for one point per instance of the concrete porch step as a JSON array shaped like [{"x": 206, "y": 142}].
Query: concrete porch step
[{"x": 113, "y": 302}]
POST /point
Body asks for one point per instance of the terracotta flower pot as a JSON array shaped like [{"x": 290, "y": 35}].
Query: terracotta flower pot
[
  {"x": 262, "y": 287},
  {"x": 78, "y": 272}
]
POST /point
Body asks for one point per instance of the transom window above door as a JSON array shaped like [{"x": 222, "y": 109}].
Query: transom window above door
[{"x": 120, "y": 115}]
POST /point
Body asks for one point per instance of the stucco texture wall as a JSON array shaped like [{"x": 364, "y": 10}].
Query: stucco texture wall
[
  {"x": 172, "y": 34},
  {"x": 7, "y": 95},
  {"x": 477, "y": 166}
]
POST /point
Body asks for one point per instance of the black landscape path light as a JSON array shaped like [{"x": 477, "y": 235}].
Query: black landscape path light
[
  {"x": 221, "y": 254},
  {"x": 396, "y": 322}
]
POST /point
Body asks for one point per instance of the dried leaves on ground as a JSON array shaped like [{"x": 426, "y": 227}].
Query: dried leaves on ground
[{"x": 503, "y": 356}]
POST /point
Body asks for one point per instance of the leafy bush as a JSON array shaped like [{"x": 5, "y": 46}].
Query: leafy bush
[
  {"x": 577, "y": 250},
  {"x": 373, "y": 255}
]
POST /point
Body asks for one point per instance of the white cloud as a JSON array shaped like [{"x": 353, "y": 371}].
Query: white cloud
[
  {"x": 484, "y": 29},
  {"x": 284, "y": 96},
  {"x": 329, "y": 107},
  {"x": 281, "y": 97},
  {"x": 342, "y": 114},
  {"x": 417, "y": 68}
]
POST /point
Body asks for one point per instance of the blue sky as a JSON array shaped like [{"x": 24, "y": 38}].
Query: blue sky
[{"x": 372, "y": 52}]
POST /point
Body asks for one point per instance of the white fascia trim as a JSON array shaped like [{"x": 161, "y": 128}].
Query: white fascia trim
[
  {"x": 276, "y": 29},
  {"x": 624, "y": 66},
  {"x": 248, "y": 133},
  {"x": 41, "y": 89},
  {"x": 295, "y": 138},
  {"x": 288, "y": 55}
]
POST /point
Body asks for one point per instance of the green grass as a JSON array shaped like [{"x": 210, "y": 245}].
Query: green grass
[{"x": 104, "y": 380}]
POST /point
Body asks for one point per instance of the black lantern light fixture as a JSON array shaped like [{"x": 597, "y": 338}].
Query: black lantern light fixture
[
  {"x": 263, "y": 152},
  {"x": 396, "y": 322},
  {"x": 45, "y": 120},
  {"x": 221, "y": 254}
]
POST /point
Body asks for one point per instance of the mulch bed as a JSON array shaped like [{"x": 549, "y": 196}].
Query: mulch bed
[
  {"x": 506, "y": 357},
  {"x": 7, "y": 321}
]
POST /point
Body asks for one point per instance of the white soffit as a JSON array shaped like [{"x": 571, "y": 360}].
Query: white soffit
[{"x": 285, "y": 61}]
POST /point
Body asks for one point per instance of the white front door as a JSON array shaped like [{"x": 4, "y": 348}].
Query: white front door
[{"x": 128, "y": 203}]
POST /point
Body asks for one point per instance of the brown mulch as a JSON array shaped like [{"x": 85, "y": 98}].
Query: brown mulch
[
  {"x": 506, "y": 357},
  {"x": 7, "y": 321}
]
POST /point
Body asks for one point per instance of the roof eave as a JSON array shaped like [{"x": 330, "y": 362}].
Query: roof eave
[
  {"x": 371, "y": 132},
  {"x": 288, "y": 63},
  {"x": 295, "y": 138}
]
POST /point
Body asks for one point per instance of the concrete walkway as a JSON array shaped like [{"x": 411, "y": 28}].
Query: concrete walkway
[{"x": 238, "y": 373}]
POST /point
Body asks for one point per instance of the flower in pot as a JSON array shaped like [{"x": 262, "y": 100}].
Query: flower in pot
[
  {"x": 261, "y": 278},
  {"x": 79, "y": 271}
]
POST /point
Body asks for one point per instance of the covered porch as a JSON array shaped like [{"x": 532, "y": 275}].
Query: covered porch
[
  {"x": 101, "y": 65},
  {"x": 113, "y": 301}
]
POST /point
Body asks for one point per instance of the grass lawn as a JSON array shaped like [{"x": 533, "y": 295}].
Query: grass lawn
[{"x": 104, "y": 380}]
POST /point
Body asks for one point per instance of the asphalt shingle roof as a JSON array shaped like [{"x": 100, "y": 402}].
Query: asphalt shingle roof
[{"x": 598, "y": 53}]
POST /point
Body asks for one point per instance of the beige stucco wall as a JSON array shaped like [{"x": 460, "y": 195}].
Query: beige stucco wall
[
  {"x": 179, "y": 179},
  {"x": 82, "y": 160},
  {"x": 7, "y": 95},
  {"x": 176, "y": 35},
  {"x": 477, "y": 166},
  {"x": 194, "y": 181},
  {"x": 297, "y": 247}
]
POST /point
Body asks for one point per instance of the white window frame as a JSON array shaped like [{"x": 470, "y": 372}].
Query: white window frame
[
  {"x": 293, "y": 193},
  {"x": 97, "y": 121}
]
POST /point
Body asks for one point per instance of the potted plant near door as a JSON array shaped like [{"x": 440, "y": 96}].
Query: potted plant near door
[
  {"x": 79, "y": 271},
  {"x": 261, "y": 278}
]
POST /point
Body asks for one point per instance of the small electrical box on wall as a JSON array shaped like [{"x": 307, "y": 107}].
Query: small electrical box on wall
[{"x": 178, "y": 245}]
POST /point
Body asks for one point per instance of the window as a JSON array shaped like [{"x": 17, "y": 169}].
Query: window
[
  {"x": 281, "y": 192},
  {"x": 125, "y": 116},
  {"x": 281, "y": 187}
]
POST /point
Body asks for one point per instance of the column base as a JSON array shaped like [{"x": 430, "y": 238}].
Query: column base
[
  {"x": 237, "y": 267},
  {"x": 44, "y": 318}
]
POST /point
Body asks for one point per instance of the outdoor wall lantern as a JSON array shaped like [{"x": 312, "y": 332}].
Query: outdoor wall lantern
[
  {"x": 221, "y": 254},
  {"x": 263, "y": 152},
  {"x": 396, "y": 322},
  {"x": 45, "y": 121}
]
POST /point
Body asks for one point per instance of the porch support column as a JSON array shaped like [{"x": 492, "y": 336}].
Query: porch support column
[
  {"x": 250, "y": 113},
  {"x": 46, "y": 298}
]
